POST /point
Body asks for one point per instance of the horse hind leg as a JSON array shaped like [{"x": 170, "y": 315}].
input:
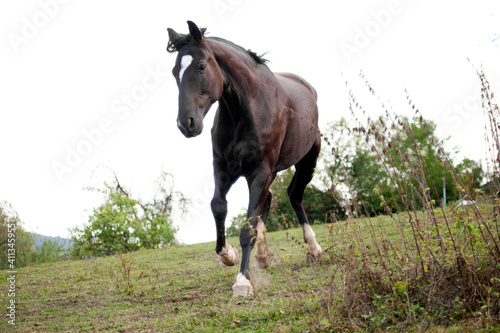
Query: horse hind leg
[
  {"x": 262, "y": 255},
  {"x": 303, "y": 174}
]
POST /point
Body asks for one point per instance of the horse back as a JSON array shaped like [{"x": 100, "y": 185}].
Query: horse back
[{"x": 284, "y": 77}]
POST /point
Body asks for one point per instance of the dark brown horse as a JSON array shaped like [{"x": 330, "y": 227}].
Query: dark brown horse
[{"x": 266, "y": 122}]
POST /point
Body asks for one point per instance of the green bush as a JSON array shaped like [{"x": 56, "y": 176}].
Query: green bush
[
  {"x": 124, "y": 224},
  {"x": 49, "y": 251}
]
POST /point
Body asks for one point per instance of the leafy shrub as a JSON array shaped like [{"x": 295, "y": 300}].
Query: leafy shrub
[
  {"x": 49, "y": 251},
  {"x": 123, "y": 223}
]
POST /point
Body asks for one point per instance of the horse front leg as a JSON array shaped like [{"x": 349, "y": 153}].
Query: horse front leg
[
  {"x": 253, "y": 231},
  {"x": 226, "y": 253}
]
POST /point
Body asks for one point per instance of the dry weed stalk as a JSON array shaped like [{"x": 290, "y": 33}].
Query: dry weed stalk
[{"x": 454, "y": 270}]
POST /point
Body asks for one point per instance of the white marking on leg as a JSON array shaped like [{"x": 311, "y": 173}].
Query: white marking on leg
[
  {"x": 242, "y": 287},
  {"x": 185, "y": 62},
  {"x": 228, "y": 255},
  {"x": 310, "y": 239},
  {"x": 242, "y": 277},
  {"x": 262, "y": 254},
  {"x": 261, "y": 230}
]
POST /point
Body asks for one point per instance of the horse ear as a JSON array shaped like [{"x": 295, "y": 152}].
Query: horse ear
[
  {"x": 195, "y": 31},
  {"x": 174, "y": 39}
]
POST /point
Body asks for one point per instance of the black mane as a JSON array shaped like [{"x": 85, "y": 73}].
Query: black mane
[{"x": 259, "y": 59}]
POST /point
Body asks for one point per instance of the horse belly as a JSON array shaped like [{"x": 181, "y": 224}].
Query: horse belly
[
  {"x": 302, "y": 121},
  {"x": 298, "y": 141}
]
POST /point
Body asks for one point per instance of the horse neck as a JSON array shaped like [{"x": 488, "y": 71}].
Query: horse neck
[{"x": 241, "y": 75}]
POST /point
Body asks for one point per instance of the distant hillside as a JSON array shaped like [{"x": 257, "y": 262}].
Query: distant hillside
[{"x": 64, "y": 242}]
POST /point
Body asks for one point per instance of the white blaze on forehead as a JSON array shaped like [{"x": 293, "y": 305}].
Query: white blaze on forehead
[{"x": 185, "y": 62}]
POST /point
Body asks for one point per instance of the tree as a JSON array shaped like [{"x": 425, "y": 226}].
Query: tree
[
  {"x": 123, "y": 223},
  {"x": 14, "y": 240},
  {"x": 353, "y": 167},
  {"x": 471, "y": 174},
  {"x": 48, "y": 251},
  {"x": 372, "y": 163}
]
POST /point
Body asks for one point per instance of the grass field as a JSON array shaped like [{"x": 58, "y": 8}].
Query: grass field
[{"x": 184, "y": 288}]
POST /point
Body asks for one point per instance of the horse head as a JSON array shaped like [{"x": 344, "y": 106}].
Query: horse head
[{"x": 198, "y": 77}]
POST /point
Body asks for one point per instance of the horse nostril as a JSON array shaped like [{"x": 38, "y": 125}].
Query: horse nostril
[{"x": 191, "y": 124}]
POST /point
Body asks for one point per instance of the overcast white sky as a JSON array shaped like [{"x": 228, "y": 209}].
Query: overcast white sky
[{"x": 88, "y": 83}]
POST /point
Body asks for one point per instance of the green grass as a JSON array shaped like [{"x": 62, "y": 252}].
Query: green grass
[
  {"x": 182, "y": 288},
  {"x": 185, "y": 288}
]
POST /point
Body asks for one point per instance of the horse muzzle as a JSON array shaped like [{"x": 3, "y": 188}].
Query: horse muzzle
[{"x": 189, "y": 126}]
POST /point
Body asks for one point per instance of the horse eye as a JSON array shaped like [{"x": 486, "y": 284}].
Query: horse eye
[{"x": 202, "y": 67}]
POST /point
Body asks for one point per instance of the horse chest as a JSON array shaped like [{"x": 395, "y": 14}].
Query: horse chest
[{"x": 238, "y": 147}]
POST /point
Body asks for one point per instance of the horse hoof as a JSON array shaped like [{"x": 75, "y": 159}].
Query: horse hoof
[
  {"x": 263, "y": 262},
  {"x": 228, "y": 255},
  {"x": 242, "y": 287},
  {"x": 311, "y": 258}
]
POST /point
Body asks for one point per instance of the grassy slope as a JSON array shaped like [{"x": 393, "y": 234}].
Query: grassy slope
[{"x": 185, "y": 288}]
